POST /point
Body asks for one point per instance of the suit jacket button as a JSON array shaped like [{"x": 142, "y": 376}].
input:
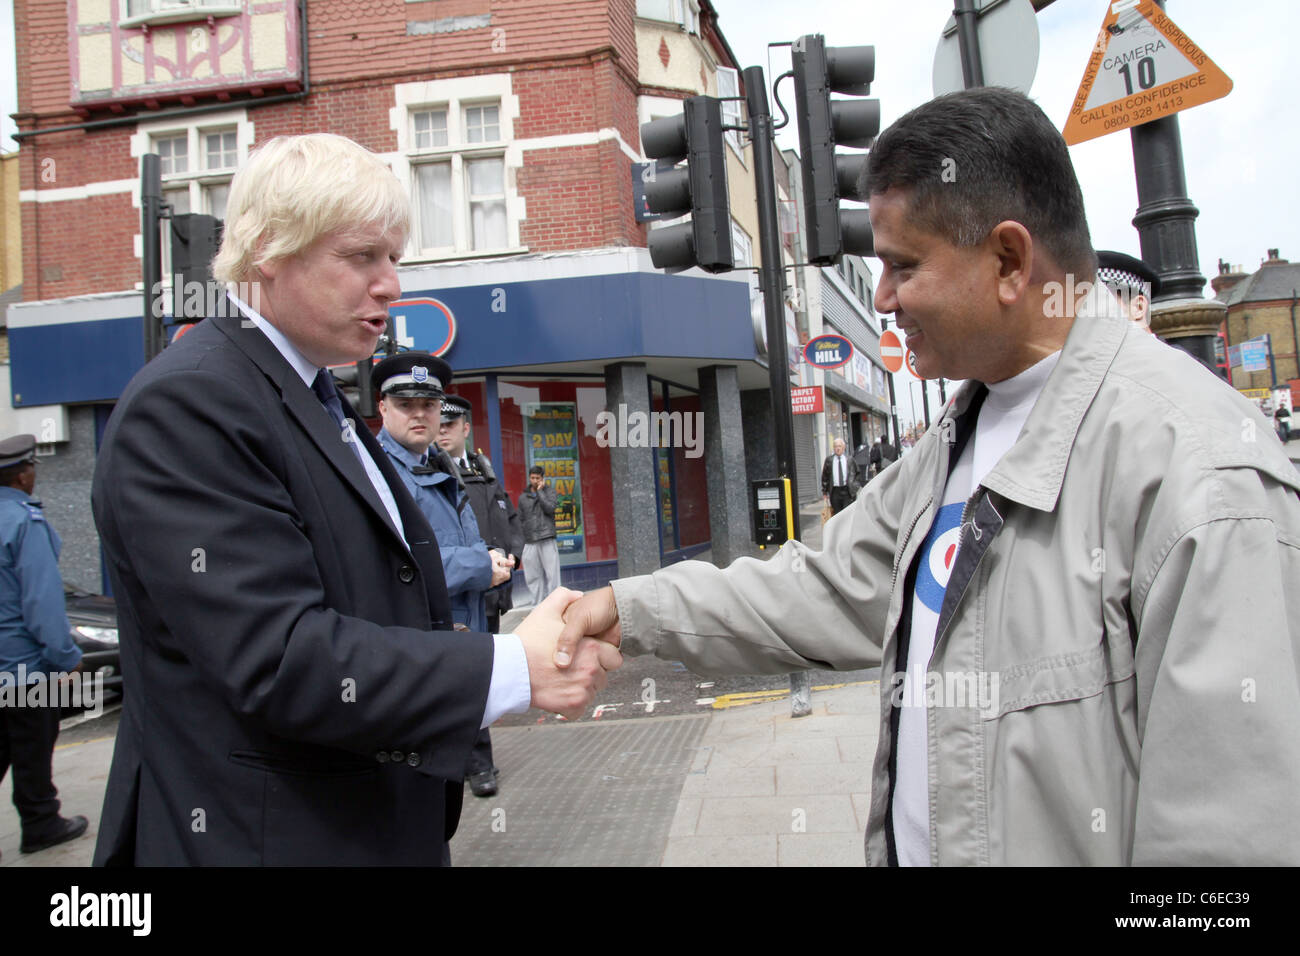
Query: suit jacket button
[
  {"x": 406, "y": 574},
  {"x": 382, "y": 756},
  {"x": 413, "y": 760},
  {"x": 398, "y": 756}
]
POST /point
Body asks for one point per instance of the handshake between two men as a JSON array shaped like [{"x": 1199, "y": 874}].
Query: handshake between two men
[{"x": 565, "y": 668}]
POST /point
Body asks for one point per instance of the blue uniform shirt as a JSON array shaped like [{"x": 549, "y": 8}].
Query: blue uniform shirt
[
  {"x": 466, "y": 564},
  {"x": 34, "y": 629}
]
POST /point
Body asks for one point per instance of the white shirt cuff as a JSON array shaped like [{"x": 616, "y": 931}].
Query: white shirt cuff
[{"x": 510, "y": 692}]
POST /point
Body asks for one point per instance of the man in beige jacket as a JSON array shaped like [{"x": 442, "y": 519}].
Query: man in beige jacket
[{"x": 1083, "y": 583}]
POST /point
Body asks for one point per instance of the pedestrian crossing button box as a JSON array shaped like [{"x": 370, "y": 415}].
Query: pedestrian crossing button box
[{"x": 769, "y": 502}]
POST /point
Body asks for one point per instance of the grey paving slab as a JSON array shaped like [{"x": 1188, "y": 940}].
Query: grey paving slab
[
  {"x": 759, "y": 751},
  {"x": 855, "y": 749},
  {"x": 838, "y": 777},
  {"x": 826, "y": 725},
  {"x": 754, "y": 850},
  {"x": 746, "y": 816},
  {"x": 686, "y": 817},
  {"x": 594, "y": 794},
  {"x": 732, "y": 782},
  {"x": 749, "y": 722},
  {"x": 819, "y": 849},
  {"x": 862, "y": 699},
  {"x": 861, "y": 808}
]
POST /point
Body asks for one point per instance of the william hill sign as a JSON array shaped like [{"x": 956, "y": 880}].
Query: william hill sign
[{"x": 828, "y": 351}]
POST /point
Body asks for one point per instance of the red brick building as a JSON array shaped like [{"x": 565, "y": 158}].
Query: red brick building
[{"x": 515, "y": 126}]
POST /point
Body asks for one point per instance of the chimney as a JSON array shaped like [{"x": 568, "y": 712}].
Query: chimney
[
  {"x": 1273, "y": 259},
  {"x": 1229, "y": 275}
]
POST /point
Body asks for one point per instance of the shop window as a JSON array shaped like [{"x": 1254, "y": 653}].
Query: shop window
[{"x": 554, "y": 424}]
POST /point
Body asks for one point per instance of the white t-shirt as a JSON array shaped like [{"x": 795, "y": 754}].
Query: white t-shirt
[{"x": 1001, "y": 417}]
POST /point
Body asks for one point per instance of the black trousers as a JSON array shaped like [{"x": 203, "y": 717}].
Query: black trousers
[
  {"x": 480, "y": 758},
  {"x": 27, "y": 736},
  {"x": 840, "y": 498}
]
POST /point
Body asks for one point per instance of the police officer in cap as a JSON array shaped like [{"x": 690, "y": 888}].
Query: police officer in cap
[
  {"x": 1131, "y": 281},
  {"x": 498, "y": 522},
  {"x": 411, "y": 389},
  {"x": 35, "y": 644}
]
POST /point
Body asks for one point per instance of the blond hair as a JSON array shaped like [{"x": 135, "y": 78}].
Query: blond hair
[{"x": 295, "y": 189}]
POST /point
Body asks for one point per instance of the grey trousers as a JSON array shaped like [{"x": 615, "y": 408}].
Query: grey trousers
[{"x": 541, "y": 568}]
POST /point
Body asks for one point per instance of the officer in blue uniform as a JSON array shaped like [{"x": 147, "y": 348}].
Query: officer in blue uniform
[
  {"x": 410, "y": 386},
  {"x": 35, "y": 643}
]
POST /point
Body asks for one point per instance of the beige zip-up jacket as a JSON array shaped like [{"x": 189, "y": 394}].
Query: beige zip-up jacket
[{"x": 1124, "y": 612}]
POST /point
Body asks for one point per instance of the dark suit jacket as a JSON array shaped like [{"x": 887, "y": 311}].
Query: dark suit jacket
[
  {"x": 287, "y": 700},
  {"x": 851, "y": 474}
]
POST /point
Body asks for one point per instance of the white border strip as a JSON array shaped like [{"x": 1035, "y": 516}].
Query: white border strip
[{"x": 80, "y": 308}]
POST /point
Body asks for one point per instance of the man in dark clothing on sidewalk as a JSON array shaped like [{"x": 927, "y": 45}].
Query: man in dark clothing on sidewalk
[
  {"x": 883, "y": 454},
  {"x": 840, "y": 479}
]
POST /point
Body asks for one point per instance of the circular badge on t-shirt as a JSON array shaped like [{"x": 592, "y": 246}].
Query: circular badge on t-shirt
[{"x": 938, "y": 555}]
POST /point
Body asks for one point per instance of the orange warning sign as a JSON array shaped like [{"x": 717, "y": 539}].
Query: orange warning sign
[{"x": 1142, "y": 68}]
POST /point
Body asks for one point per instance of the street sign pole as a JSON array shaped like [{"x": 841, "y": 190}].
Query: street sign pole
[
  {"x": 893, "y": 399},
  {"x": 972, "y": 69}
]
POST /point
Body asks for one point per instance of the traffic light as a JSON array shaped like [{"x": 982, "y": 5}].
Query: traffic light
[
  {"x": 823, "y": 122},
  {"x": 195, "y": 240},
  {"x": 698, "y": 188}
]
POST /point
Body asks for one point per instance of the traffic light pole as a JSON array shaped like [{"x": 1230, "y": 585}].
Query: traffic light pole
[
  {"x": 772, "y": 280},
  {"x": 151, "y": 207}
]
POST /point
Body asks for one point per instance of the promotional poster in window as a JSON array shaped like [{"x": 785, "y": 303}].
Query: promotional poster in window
[{"x": 551, "y": 436}]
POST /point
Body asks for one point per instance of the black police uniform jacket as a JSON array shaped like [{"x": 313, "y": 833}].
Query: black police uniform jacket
[
  {"x": 289, "y": 698},
  {"x": 498, "y": 522}
]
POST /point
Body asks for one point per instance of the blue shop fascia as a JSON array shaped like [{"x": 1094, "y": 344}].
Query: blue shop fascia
[{"x": 590, "y": 364}]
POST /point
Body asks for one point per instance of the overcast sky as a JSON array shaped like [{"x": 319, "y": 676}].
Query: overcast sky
[{"x": 1239, "y": 152}]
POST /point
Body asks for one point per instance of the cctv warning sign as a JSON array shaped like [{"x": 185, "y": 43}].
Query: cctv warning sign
[{"x": 1143, "y": 67}]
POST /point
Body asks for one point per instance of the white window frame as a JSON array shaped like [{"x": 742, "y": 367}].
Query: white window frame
[
  {"x": 740, "y": 241},
  {"x": 196, "y": 179},
  {"x": 456, "y": 96},
  {"x": 177, "y": 11},
  {"x": 728, "y": 83},
  {"x": 684, "y": 13}
]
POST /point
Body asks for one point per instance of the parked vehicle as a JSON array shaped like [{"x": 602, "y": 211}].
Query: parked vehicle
[{"x": 94, "y": 627}]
